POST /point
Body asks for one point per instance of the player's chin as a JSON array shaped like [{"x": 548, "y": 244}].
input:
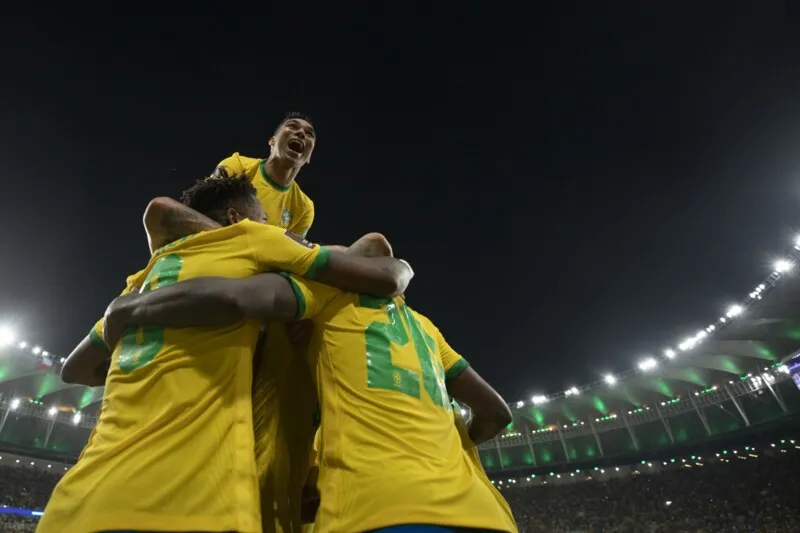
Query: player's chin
[{"x": 295, "y": 157}]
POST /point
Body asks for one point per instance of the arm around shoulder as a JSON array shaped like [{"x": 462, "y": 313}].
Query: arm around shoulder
[{"x": 379, "y": 276}]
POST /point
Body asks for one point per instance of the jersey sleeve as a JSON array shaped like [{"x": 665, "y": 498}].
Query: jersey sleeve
[
  {"x": 452, "y": 362},
  {"x": 275, "y": 248},
  {"x": 235, "y": 165},
  {"x": 312, "y": 297},
  {"x": 304, "y": 222}
]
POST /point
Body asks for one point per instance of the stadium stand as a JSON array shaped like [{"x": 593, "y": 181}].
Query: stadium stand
[{"x": 747, "y": 489}]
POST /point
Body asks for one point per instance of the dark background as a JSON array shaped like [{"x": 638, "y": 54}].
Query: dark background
[{"x": 575, "y": 186}]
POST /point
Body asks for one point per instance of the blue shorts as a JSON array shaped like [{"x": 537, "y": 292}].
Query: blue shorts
[{"x": 422, "y": 528}]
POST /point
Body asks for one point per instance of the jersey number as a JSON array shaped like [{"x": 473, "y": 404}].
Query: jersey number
[
  {"x": 382, "y": 373},
  {"x": 133, "y": 353}
]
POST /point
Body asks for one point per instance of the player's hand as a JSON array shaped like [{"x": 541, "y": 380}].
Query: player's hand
[
  {"x": 371, "y": 245},
  {"x": 309, "y": 504},
  {"x": 115, "y": 320},
  {"x": 299, "y": 334}
]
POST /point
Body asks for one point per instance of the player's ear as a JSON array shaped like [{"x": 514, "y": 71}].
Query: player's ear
[
  {"x": 272, "y": 143},
  {"x": 234, "y": 216}
]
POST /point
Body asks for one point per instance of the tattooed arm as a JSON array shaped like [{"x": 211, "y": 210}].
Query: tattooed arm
[{"x": 166, "y": 220}]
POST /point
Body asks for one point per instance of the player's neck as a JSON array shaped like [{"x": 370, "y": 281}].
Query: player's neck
[{"x": 281, "y": 171}]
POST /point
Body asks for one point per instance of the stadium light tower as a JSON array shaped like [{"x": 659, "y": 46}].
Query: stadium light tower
[
  {"x": 648, "y": 364},
  {"x": 610, "y": 379},
  {"x": 734, "y": 310},
  {"x": 7, "y": 336},
  {"x": 782, "y": 265}
]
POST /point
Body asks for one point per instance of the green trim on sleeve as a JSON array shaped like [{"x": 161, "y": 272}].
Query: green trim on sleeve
[
  {"x": 301, "y": 299},
  {"x": 454, "y": 371},
  {"x": 97, "y": 339},
  {"x": 319, "y": 263}
]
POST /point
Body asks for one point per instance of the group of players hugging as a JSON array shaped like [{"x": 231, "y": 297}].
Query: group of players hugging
[{"x": 256, "y": 382}]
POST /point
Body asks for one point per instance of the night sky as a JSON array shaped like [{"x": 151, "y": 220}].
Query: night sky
[{"x": 575, "y": 188}]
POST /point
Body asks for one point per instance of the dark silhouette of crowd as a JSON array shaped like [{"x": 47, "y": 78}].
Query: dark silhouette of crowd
[
  {"x": 24, "y": 488},
  {"x": 760, "y": 493}
]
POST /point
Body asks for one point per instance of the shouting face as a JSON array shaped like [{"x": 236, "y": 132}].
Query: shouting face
[{"x": 294, "y": 141}]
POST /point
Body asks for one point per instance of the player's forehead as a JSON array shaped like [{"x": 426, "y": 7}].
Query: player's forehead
[{"x": 296, "y": 123}]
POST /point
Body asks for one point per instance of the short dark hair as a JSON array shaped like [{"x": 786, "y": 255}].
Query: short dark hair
[
  {"x": 213, "y": 196},
  {"x": 293, "y": 115}
]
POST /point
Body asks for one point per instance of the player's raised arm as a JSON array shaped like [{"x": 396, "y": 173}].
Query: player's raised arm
[
  {"x": 166, "y": 220},
  {"x": 490, "y": 413},
  {"x": 276, "y": 249}
]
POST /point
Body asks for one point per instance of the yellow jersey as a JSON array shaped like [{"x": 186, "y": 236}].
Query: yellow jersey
[
  {"x": 390, "y": 453},
  {"x": 173, "y": 446},
  {"x": 286, "y": 207}
]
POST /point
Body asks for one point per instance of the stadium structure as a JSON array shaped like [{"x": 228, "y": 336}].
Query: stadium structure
[{"x": 728, "y": 378}]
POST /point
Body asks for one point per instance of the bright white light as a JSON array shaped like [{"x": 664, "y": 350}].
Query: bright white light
[
  {"x": 14, "y": 403},
  {"x": 76, "y": 418},
  {"x": 648, "y": 364},
  {"x": 463, "y": 413},
  {"x": 734, "y": 310},
  {"x": 23, "y": 344},
  {"x": 36, "y": 350},
  {"x": 572, "y": 391},
  {"x": 538, "y": 400},
  {"x": 520, "y": 404},
  {"x": 7, "y": 336},
  {"x": 784, "y": 369},
  {"x": 610, "y": 379},
  {"x": 669, "y": 353},
  {"x": 782, "y": 265},
  {"x": 52, "y": 411}
]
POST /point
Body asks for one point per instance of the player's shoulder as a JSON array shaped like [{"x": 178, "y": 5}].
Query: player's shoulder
[
  {"x": 303, "y": 197},
  {"x": 426, "y": 322},
  {"x": 237, "y": 160}
]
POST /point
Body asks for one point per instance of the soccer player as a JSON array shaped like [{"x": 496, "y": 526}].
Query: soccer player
[
  {"x": 285, "y": 205},
  {"x": 390, "y": 451},
  {"x": 278, "y": 411},
  {"x": 173, "y": 446}
]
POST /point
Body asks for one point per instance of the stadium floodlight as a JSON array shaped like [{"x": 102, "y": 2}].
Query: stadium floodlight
[
  {"x": 76, "y": 418},
  {"x": 647, "y": 364},
  {"x": 610, "y": 379},
  {"x": 52, "y": 411},
  {"x": 15, "y": 403},
  {"x": 572, "y": 391},
  {"x": 669, "y": 353},
  {"x": 7, "y": 336},
  {"x": 520, "y": 404},
  {"x": 22, "y": 345},
  {"x": 782, "y": 265},
  {"x": 539, "y": 400},
  {"x": 734, "y": 310}
]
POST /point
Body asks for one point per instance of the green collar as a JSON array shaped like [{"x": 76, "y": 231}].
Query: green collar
[{"x": 263, "y": 166}]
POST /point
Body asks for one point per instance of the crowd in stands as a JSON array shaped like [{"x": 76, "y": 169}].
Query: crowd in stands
[
  {"x": 756, "y": 494},
  {"x": 23, "y": 488}
]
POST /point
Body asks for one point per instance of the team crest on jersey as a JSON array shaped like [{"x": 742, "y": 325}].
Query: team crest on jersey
[
  {"x": 286, "y": 217},
  {"x": 298, "y": 239}
]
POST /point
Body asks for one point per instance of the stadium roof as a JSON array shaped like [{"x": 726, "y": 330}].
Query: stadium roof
[{"x": 755, "y": 334}]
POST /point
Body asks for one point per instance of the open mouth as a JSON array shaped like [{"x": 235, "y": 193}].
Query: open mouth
[{"x": 296, "y": 145}]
